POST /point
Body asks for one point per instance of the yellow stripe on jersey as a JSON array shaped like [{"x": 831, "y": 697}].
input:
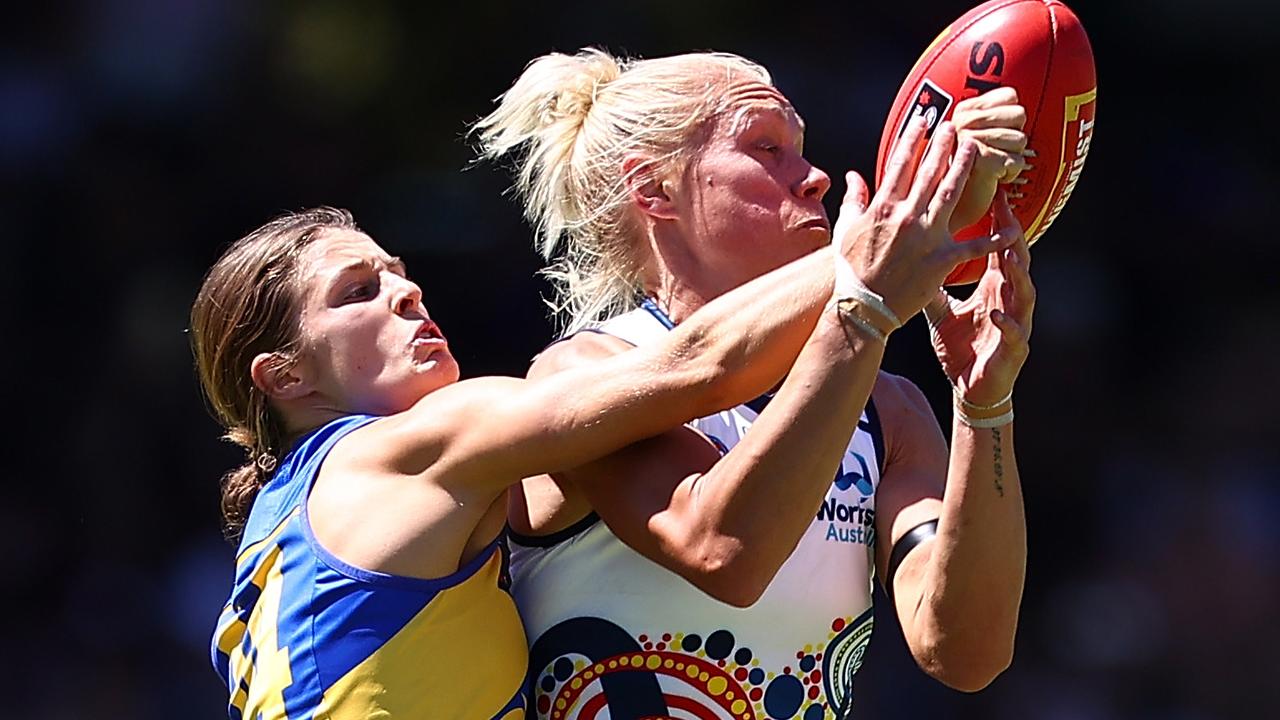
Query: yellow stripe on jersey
[
  {"x": 437, "y": 665},
  {"x": 265, "y": 698},
  {"x": 230, "y": 631},
  {"x": 305, "y": 636}
]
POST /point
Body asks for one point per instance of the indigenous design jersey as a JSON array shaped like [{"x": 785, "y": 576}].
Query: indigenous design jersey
[
  {"x": 305, "y": 635},
  {"x": 615, "y": 635}
]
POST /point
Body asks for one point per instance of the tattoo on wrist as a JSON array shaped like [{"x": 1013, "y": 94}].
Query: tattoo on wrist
[{"x": 999, "y": 467}]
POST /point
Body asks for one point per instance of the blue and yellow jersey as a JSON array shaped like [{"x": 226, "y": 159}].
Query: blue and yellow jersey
[{"x": 305, "y": 635}]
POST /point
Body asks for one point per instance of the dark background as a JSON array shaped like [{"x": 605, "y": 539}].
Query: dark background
[{"x": 139, "y": 137}]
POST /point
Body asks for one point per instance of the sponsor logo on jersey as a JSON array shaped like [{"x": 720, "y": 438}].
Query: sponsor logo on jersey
[
  {"x": 850, "y": 522},
  {"x": 859, "y": 476}
]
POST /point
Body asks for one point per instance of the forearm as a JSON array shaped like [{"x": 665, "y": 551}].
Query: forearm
[
  {"x": 728, "y": 352},
  {"x": 744, "y": 341},
  {"x": 782, "y": 469},
  {"x": 967, "y": 605}
]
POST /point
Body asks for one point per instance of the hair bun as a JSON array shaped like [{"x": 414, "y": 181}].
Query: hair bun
[{"x": 589, "y": 70}]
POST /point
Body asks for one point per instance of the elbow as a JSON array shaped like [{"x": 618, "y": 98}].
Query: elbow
[
  {"x": 721, "y": 562},
  {"x": 967, "y": 667},
  {"x": 729, "y": 578},
  {"x": 975, "y": 677},
  {"x": 731, "y": 591},
  {"x": 966, "y": 650}
]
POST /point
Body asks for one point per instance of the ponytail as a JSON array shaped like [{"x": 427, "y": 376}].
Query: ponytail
[{"x": 568, "y": 123}]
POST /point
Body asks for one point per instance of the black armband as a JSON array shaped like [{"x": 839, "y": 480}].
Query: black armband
[{"x": 907, "y": 543}]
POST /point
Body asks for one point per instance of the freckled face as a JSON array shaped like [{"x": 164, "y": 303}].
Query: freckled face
[
  {"x": 752, "y": 201},
  {"x": 368, "y": 344}
]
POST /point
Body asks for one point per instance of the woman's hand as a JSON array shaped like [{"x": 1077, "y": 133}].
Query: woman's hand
[
  {"x": 982, "y": 342},
  {"x": 899, "y": 244},
  {"x": 994, "y": 120}
]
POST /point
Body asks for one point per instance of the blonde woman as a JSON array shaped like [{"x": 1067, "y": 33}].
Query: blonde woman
[{"x": 713, "y": 570}]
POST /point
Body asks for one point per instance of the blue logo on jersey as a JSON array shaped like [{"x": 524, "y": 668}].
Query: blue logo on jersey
[
  {"x": 860, "y": 477},
  {"x": 850, "y": 522}
]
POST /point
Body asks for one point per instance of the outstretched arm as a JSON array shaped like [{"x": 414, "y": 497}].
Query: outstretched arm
[
  {"x": 729, "y": 351},
  {"x": 957, "y": 594},
  {"x": 496, "y": 430}
]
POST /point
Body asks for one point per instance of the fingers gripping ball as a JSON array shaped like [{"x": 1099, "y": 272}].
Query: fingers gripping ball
[{"x": 1039, "y": 48}]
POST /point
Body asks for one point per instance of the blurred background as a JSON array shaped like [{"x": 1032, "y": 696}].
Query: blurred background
[{"x": 139, "y": 137}]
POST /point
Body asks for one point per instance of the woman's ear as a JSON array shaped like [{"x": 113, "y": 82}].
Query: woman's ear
[
  {"x": 649, "y": 191},
  {"x": 278, "y": 377}
]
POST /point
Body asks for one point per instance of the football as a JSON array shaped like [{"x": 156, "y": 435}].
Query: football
[{"x": 1039, "y": 48}]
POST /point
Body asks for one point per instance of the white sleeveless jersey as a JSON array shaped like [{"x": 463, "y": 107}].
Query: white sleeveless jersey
[{"x": 615, "y": 635}]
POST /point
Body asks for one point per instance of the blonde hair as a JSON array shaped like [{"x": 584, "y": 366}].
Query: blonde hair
[{"x": 571, "y": 120}]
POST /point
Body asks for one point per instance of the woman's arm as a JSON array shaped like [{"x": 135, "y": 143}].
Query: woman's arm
[
  {"x": 675, "y": 500},
  {"x": 732, "y": 349},
  {"x": 957, "y": 594}
]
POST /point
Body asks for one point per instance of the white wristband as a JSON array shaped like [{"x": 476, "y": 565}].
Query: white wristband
[
  {"x": 990, "y": 422},
  {"x": 849, "y": 285},
  {"x": 847, "y": 314},
  {"x": 973, "y": 406}
]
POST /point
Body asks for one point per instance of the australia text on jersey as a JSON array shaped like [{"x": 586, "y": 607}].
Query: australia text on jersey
[{"x": 847, "y": 522}]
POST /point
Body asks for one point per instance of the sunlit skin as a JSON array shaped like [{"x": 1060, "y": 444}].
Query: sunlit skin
[
  {"x": 368, "y": 343},
  {"x": 749, "y": 201},
  {"x": 746, "y": 202},
  {"x": 749, "y": 196},
  {"x": 419, "y": 492}
]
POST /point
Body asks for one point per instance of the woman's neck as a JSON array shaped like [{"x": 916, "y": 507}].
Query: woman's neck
[{"x": 678, "y": 300}]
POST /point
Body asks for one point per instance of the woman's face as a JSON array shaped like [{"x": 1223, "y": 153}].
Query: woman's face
[
  {"x": 368, "y": 343},
  {"x": 750, "y": 202}
]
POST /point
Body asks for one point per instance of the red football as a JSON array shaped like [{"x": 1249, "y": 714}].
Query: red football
[{"x": 1039, "y": 48}]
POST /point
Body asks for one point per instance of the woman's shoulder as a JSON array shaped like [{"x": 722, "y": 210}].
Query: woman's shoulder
[{"x": 577, "y": 349}]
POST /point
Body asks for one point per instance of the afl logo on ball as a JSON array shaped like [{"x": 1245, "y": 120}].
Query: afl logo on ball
[{"x": 931, "y": 103}]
